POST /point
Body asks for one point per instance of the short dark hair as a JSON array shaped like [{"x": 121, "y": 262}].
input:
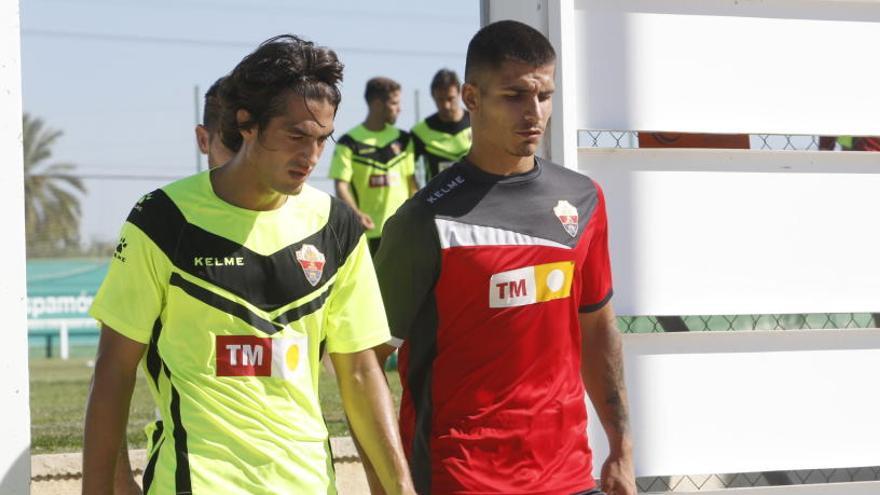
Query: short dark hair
[
  {"x": 443, "y": 79},
  {"x": 381, "y": 88},
  {"x": 213, "y": 107},
  {"x": 263, "y": 80},
  {"x": 504, "y": 41}
]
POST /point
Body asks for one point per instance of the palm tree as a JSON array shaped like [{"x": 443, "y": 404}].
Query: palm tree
[{"x": 52, "y": 208}]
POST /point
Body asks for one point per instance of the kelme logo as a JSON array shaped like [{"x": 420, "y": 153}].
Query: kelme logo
[{"x": 120, "y": 248}]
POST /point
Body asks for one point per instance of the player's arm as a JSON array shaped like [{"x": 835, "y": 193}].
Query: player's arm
[
  {"x": 343, "y": 192},
  {"x": 383, "y": 352},
  {"x": 602, "y": 373},
  {"x": 370, "y": 411},
  {"x": 124, "y": 482},
  {"x": 107, "y": 409},
  {"x": 342, "y": 171}
]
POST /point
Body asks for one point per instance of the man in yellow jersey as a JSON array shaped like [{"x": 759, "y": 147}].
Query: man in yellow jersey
[
  {"x": 444, "y": 137},
  {"x": 210, "y": 144},
  {"x": 373, "y": 164},
  {"x": 208, "y": 132},
  {"x": 229, "y": 284}
]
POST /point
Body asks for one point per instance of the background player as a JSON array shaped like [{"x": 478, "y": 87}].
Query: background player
[
  {"x": 208, "y": 132},
  {"x": 444, "y": 137},
  {"x": 373, "y": 164}
]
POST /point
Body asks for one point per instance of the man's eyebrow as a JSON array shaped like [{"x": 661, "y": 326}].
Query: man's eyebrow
[{"x": 298, "y": 128}]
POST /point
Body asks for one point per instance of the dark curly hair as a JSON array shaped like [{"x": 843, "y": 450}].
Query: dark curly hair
[{"x": 263, "y": 80}]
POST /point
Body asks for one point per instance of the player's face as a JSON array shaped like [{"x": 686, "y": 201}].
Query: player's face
[
  {"x": 446, "y": 100},
  {"x": 287, "y": 150},
  {"x": 391, "y": 107},
  {"x": 511, "y": 106}
]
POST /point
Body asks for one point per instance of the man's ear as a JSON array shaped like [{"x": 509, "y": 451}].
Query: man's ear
[
  {"x": 470, "y": 96},
  {"x": 203, "y": 138},
  {"x": 242, "y": 116}
]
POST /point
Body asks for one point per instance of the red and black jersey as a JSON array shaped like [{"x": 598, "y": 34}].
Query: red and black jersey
[{"x": 483, "y": 278}]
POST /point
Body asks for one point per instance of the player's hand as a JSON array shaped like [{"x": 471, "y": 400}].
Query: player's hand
[
  {"x": 618, "y": 476},
  {"x": 366, "y": 221}
]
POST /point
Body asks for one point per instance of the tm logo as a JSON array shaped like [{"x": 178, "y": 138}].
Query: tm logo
[
  {"x": 119, "y": 249},
  {"x": 248, "y": 355},
  {"x": 531, "y": 285}
]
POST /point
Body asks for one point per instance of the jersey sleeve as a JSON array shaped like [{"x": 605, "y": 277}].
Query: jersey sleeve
[
  {"x": 132, "y": 295},
  {"x": 340, "y": 165},
  {"x": 596, "y": 270},
  {"x": 355, "y": 319},
  {"x": 408, "y": 266}
]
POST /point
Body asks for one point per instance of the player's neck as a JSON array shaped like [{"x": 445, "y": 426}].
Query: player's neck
[
  {"x": 498, "y": 162},
  {"x": 374, "y": 123},
  {"x": 238, "y": 186}
]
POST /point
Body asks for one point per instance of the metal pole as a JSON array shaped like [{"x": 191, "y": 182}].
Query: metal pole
[
  {"x": 64, "y": 341},
  {"x": 198, "y": 117},
  {"x": 485, "y": 12},
  {"x": 418, "y": 113}
]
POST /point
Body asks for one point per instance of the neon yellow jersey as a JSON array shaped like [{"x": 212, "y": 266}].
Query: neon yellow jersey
[
  {"x": 378, "y": 165},
  {"x": 236, "y": 307},
  {"x": 440, "y": 144}
]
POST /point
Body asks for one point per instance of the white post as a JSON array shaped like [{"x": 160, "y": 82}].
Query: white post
[
  {"x": 15, "y": 428},
  {"x": 64, "y": 341}
]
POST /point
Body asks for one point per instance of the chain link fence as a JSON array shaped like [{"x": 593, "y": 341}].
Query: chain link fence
[
  {"x": 728, "y": 323},
  {"x": 630, "y": 139}
]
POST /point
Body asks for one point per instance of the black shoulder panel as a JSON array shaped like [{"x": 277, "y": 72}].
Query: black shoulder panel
[
  {"x": 528, "y": 206},
  {"x": 266, "y": 281},
  {"x": 346, "y": 228}
]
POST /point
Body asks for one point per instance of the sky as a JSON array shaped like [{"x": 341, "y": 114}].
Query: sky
[{"x": 119, "y": 77}]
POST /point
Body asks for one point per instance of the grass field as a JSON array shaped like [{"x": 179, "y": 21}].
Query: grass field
[{"x": 58, "y": 397}]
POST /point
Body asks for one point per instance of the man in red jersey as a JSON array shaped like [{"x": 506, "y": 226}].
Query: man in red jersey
[{"x": 497, "y": 285}]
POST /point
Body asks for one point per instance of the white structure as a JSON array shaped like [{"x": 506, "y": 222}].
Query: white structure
[
  {"x": 732, "y": 231},
  {"x": 15, "y": 427}
]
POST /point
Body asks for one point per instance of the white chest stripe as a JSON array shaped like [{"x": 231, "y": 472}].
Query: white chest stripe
[{"x": 456, "y": 234}]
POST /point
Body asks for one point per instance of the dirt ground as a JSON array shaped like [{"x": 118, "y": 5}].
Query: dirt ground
[{"x": 59, "y": 474}]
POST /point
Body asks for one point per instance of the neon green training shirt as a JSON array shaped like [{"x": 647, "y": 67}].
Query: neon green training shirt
[
  {"x": 236, "y": 307},
  {"x": 378, "y": 165},
  {"x": 440, "y": 144}
]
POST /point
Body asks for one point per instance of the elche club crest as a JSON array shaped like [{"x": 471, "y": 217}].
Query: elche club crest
[
  {"x": 568, "y": 215},
  {"x": 312, "y": 262},
  {"x": 395, "y": 148}
]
